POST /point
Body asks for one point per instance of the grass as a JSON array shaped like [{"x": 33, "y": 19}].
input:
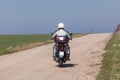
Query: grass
[
  {"x": 11, "y": 43},
  {"x": 110, "y": 69}
]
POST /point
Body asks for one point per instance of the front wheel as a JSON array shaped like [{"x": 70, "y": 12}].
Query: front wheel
[{"x": 60, "y": 63}]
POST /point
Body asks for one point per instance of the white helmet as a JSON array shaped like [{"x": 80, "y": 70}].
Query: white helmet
[{"x": 60, "y": 25}]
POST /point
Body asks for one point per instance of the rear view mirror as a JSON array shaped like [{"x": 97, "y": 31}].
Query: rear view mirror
[
  {"x": 51, "y": 33},
  {"x": 71, "y": 34}
]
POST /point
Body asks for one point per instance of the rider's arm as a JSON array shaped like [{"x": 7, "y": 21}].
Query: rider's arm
[
  {"x": 69, "y": 36},
  {"x": 54, "y": 35}
]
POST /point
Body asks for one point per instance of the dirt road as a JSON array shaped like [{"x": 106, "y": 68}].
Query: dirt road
[{"x": 37, "y": 63}]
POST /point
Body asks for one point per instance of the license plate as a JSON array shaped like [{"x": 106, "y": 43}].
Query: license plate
[{"x": 61, "y": 54}]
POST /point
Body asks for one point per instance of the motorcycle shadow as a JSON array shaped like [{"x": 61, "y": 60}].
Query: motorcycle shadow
[{"x": 67, "y": 65}]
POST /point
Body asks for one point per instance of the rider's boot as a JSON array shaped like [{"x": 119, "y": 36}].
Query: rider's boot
[
  {"x": 68, "y": 57},
  {"x": 67, "y": 49},
  {"x": 54, "y": 58},
  {"x": 54, "y": 52}
]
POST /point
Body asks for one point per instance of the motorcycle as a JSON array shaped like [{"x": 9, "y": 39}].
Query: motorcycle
[{"x": 61, "y": 50}]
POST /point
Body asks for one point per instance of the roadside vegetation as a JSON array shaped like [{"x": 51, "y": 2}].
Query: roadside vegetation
[
  {"x": 110, "y": 69},
  {"x": 13, "y": 43}
]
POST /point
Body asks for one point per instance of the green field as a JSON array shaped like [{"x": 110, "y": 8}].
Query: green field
[
  {"x": 110, "y": 69},
  {"x": 11, "y": 43}
]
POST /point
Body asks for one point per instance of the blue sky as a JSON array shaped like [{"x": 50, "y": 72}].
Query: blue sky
[{"x": 42, "y": 16}]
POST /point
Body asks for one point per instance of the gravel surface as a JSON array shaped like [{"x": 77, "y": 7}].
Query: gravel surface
[{"x": 37, "y": 63}]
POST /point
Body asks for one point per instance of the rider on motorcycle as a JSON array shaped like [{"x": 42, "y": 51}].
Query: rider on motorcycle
[{"x": 61, "y": 32}]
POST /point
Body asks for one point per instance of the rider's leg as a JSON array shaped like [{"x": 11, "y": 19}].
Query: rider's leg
[
  {"x": 54, "y": 51},
  {"x": 67, "y": 50}
]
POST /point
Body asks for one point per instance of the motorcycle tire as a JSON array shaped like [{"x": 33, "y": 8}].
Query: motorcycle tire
[{"x": 60, "y": 63}]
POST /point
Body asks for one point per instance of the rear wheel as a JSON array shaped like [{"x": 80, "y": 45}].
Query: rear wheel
[{"x": 60, "y": 63}]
